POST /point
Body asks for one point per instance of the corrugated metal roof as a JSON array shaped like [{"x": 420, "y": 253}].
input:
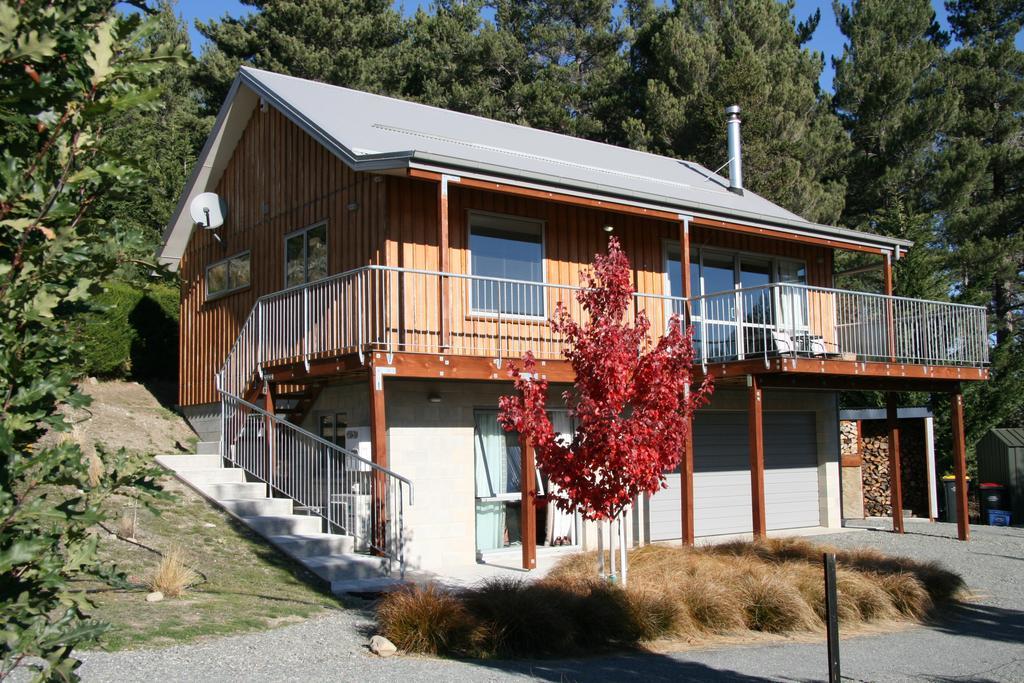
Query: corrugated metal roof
[
  {"x": 373, "y": 132},
  {"x": 368, "y": 124},
  {"x": 1011, "y": 436}
]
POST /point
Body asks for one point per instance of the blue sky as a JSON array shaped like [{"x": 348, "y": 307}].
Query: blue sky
[{"x": 827, "y": 38}]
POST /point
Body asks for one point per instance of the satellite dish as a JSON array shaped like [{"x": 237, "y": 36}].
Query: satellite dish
[{"x": 208, "y": 210}]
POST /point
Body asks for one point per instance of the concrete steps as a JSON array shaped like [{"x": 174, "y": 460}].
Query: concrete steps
[{"x": 331, "y": 557}]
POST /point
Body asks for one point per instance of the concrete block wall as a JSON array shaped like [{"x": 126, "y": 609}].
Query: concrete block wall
[{"x": 432, "y": 444}]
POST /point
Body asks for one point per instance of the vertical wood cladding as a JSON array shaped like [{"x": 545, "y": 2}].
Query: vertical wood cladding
[
  {"x": 278, "y": 180},
  {"x": 572, "y": 235}
]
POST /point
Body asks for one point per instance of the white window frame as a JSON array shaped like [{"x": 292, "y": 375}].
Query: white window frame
[
  {"x": 305, "y": 254},
  {"x": 212, "y": 296},
  {"x": 474, "y": 218},
  {"x": 697, "y": 288}
]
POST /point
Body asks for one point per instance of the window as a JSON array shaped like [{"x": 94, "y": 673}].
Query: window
[
  {"x": 506, "y": 249},
  {"x": 498, "y": 468},
  {"x": 716, "y": 275},
  {"x": 305, "y": 255},
  {"x": 228, "y": 275}
]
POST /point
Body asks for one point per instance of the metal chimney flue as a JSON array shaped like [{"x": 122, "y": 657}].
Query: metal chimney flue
[{"x": 735, "y": 149}]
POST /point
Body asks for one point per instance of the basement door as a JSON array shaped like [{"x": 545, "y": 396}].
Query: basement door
[{"x": 721, "y": 479}]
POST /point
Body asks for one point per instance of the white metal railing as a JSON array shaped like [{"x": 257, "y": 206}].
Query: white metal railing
[
  {"x": 350, "y": 494},
  {"x": 804, "y": 321},
  {"x": 402, "y": 309}
]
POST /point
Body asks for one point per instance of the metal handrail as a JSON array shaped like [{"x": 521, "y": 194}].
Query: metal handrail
[
  {"x": 350, "y": 493},
  {"x": 322, "y": 441},
  {"x": 384, "y": 302}
]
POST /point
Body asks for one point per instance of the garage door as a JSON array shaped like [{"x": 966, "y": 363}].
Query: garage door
[
  {"x": 790, "y": 471},
  {"x": 721, "y": 479}
]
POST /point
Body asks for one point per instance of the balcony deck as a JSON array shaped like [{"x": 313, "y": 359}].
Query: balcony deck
[{"x": 430, "y": 324}]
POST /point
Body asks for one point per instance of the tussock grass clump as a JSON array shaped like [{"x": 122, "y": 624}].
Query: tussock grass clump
[
  {"x": 172, "y": 576},
  {"x": 427, "y": 620},
  {"x": 774, "y": 604},
  {"x": 697, "y": 594},
  {"x": 508, "y": 617}
]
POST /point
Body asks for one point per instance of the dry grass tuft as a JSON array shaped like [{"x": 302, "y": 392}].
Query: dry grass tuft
[
  {"x": 172, "y": 576},
  {"x": 770, "y": 586},
  {"x": 774, "y": 604},
  {"x": 907, "y": 593},
  {"x": 427, "y": 620},
  {"x": 127, "y": 524}
]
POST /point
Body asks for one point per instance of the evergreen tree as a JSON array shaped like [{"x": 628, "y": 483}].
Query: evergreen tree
[
  {"x": 344, "y": 42},
  {"x": 550, "y": 65},
  {"x": 691, "y": 61},
  {"x": 165, "y": 140},
  {"x": 891, "y": 99},
  {"x": 980, "y": 183}
]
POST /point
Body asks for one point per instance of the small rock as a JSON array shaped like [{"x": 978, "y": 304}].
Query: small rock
[
  {"x": 208, "y": 525},
  {"x": 382, "y": 647},
  {"x": 157, "y": 596}
]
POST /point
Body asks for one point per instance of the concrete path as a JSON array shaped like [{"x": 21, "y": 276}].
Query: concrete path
[{"x": 980, "y": 641}]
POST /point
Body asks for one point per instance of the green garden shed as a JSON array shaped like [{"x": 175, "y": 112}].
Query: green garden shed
[{"x": 1001, "y": 460}]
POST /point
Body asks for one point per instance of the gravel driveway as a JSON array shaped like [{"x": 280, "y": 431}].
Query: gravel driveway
[{"x": 979, "y": 641}]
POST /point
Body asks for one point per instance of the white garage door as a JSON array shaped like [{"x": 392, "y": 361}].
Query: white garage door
[
  {"x": 790, "y": 471},
  {"x": 721, "y": 479}
]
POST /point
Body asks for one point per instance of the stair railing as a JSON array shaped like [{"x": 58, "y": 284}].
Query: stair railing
[{"x": 350, "y": 494}]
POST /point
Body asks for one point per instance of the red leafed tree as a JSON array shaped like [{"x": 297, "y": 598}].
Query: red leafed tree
[{"x": 629, "y": 401}]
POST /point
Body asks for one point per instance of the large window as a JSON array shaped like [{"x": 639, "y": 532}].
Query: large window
[
  {"x": 498, "y": 466},
  {"x": 228, "y": 275},
  {"x": 504, "y": 249},
  {"x": 305, "y": 255},
  {"x": 715, "y": 276}
]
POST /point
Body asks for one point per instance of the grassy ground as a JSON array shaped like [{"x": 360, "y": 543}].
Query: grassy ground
[{"x": 244, "y": 585}]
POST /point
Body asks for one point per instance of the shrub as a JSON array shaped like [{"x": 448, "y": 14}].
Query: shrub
[
  {"x": 519, "y": 619},
  {"x": 427, "y": 620},
  {"x": 172, "y": 576},
  {"x": 907, "y": 593},
  {"x": 132, "y": 333}
]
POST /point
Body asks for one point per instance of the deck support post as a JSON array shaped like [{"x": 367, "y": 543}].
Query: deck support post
[
  {"x": 895, "y": 473},
  {"x": 686, "y": 481},
  {"x": 379, "y": 456},
  {"x": 960, "y": 463},
  {"x": 686, "y": 462},
  {"x": 889, "y": 317},
  {"x": 444, "y": 307},
  {"x": 528, "y": 504},
  {"x": 756, "y": 424}
]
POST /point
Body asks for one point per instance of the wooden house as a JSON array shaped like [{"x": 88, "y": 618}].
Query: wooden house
[{"x": 346, "y": 333}]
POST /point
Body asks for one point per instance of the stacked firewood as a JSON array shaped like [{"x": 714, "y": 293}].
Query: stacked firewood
[
  {"x": 848, "y": 438},
  {"x": 914, "y": 476}
]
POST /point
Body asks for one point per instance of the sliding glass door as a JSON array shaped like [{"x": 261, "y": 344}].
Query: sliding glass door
[
  {"x": 730, "y": 324},
  {"x": 498, "y": 466}
]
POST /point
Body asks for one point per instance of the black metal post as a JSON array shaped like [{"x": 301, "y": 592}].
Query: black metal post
[{"x": 832, "y": 617}]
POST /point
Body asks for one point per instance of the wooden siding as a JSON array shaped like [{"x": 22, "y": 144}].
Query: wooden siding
[
  {"x": 278, "y": 180},
  {"x": 572, "y": 236}
]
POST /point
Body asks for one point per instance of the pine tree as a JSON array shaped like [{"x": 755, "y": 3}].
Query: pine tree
[
  {"x": 891, "y": 98},
  {"x": 164, "y": 139},
  {"x": 980, "y": 183},
  {"x": 691, "y": 61},
  {"x": 343, "y": 42}
]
